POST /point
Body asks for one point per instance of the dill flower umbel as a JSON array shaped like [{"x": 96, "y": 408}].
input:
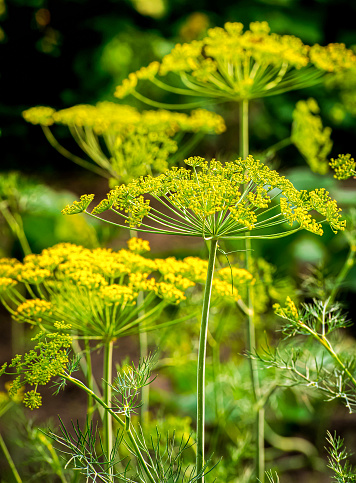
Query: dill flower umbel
[
  {"x": 310, "y": 137},
  {"x": 95, "y": 290},
  {"x": 344, "y": 166},
  {"x": 136, "y": 143},
  {"x": 217, "y": 201},
  {"x": 233, "y": 64}
]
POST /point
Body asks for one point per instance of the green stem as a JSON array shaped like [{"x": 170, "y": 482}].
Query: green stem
[
  {"x": 145, "y": 391},
  {"x": 83, "y": 361},
  {"x": 201, "y": 361},
  {"x": 251, "y": 332},
  {"x": 16, "y": 226},
  {"x": 107, "y": 380},
  {"x": 89, "y": 377},
  {"x": 324, "y": 342},
  {"x": 271, "y": 151},
  {"x": 10, "y": 460},
  {"x": 72, "y": 157},
  {"x": 114, "y": 416}
]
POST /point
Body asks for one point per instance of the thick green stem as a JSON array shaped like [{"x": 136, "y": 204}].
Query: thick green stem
[
  {"x": 10, "y": 460},
  {"x": 201, "y": 361},
  {"x": 107, "y": 381},
  {"x": 251, "y": 337}
]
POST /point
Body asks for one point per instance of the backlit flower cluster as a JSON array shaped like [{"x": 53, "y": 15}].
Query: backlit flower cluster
[
  {"x": 215, "y": 200},
  {"x": 344, "y": 166},
  {"x": 96, "y": 290},
  {"x": 233, "y": 64},
  {"x": 310, "y": 137},
  {"x": 48, "y": 359},
  {"x": 137, "y": 143}
]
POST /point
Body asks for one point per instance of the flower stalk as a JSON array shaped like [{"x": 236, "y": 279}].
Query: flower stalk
[
  {"x": 251, "y": 331},
  {"x": 201, "y": 361},
  {"x": 107, "y": 393}
]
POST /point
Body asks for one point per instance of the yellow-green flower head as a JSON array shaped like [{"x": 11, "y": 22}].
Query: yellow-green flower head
[
  {"x": 310, "y": 137},
  {"x": 6, "y": 284},
  {"x": 234, "y": 64},
  {"x": 290, "y": 311},
  {"x": 219, "y": 200},
  {"x": 111, "y": 118},
  {"x": 137, "y": 143},
  {"x": 33, "y": 311},
  {"x": 33, "y": 275},
  {"x": 118, "y": 294},
  {"x": 137, "y": 245},
  {"x": 170, "y": 292},
  {"x": 235, "y": 274},
  {"x": 39, "y": 115},
  {"x": 88, "y": 279},
  {"x": 32, "y": 399},
  {"x": 344, "y": 166},
  {"x": 10, "y": 267},
  {"x": 45, "y": 361},
  {"x": 94, "y": 290}
]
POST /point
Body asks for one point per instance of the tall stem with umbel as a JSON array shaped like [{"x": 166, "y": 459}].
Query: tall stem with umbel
[
  {"x": 251, "y": 332},
  {"x": 201, "y": 361}
]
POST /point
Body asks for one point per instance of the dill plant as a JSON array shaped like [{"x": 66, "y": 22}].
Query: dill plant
[
  {"x": 215, "y": 202},
  {"x": 235, "y": 65},
  {"x": 96, "y": 292}
]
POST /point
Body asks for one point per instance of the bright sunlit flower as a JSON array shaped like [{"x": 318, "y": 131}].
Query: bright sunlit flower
[
  {"x": 96, "y": 290},
  {"x": 217, "y": 201},
  {"x": 344, "y": 166},
  {"x": 233, "y": 64}
]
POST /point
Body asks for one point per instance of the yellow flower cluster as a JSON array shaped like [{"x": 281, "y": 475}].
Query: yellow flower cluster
[
  {"x": 95, "y": 290},
  {"x": 112, "y": 118},
  {"x": 87, "y": 279},
  {"x": 33, "y": 310},
  {"x": 310, "y": 137},
  {"x": 344, "y": 166},
  {"x": 290, "y": 311},
  {"x": 6, "y": 283},
  {"x": 118, "y": 294},
  {"x": 209, "y": 200},
  {"x": 170, "y": 293},
  {"x": 137, "y": 143},
  {"x": 235, "y": 64},
  {"x": 10, "y": 267},
  {"x": 34, "y": 275},
  {"x": 137, "y": 245},
  {"x": 39, "y": 115},
  {"x": 238, "y": 275}
]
